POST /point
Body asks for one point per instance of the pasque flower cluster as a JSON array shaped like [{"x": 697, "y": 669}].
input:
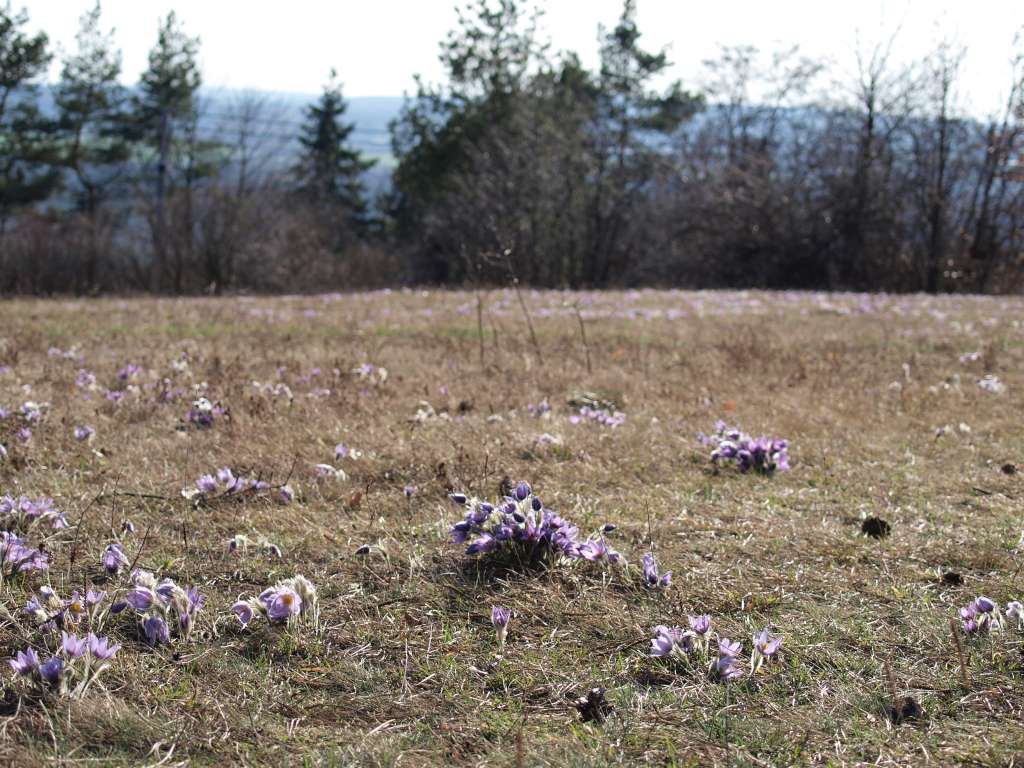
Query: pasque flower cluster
[
  {"x": 762, "y": 454},
  {"x": 71, "y": 669},
  {"x": 51, "y": 612},
  {"x": 203, "y": 413},
  {"x": 162, "y": 607},
  {"x": 225, "y": 482},
  {"x": 17, "y": 557},
  {"x": 521, "y": 521},
  {"x": 601, "y": 416},
  {"x": 23, "y": 513},
  {"x": 289, "y": 602},
  {"x": 982, "y": 615},
  {"x": 693, "y": 647}
]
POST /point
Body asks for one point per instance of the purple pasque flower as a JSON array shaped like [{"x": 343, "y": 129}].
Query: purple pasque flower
[
  {"x": 765, "y": 647},
  {"x": 327, "y": 471},
  {"x": 166, "y": 590},
  {"x": 245, "y": 612},
  {"x": 156, "y": 630},
  {"x": 663, "y": 641},
  {"x": 52, "y": 670},
  {"x": 141, "y": 598},
  {"x": 100, "y": 647},
  {"x": 671, "y": 641},
  {"x": 650, "y": 570},
  {"x": 281, "y": 603},
  {"x": 595, "y": 550},
  {"x": 167, "y": 600},
  {"x": 207, "y": 484},
  {"x": 978, "y": 616},
  {"x": 726, "y": 669},
  {"x": 186, "y": 604},
  {"x": 33, "y": 412},
  {"x": 1015, "y": 612},
  {"x": 129, "y": 372},
  {"x": 17, "y": 557},
  {"x": 35, "y": 608},
  {"x": 700, "y": 624},
  {"x": 484, "y": 544},
  {"x": 460, "y": 532},
  {"x": 499, "y": 618},
  {"x": 226, "y": 478},
  {"x": 196, "y": 601},
  {"x": 203, "y": 413},
  {"x": 114, "y": 559},
  {"x": 409, "y": 491},
  {"x": 968, "y": 623},
  {"x": 76, "y": 607},
  {"x": 285, "y": 494},
  {"x": 22, "y": 513},
  {"x": 984, "y": 604},
  {"x": 726, "y": 648},
  {"x": 72, "y": 645},
  {"x": 85, "y": 379},
  {"x": 540, "y": 410},
  {"x": 84, "y": 433},
  {"x": 25, "y": 662},
  {"x": 51, "y": 598}
]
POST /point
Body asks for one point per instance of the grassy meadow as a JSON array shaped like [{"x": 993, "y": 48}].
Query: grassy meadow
[{"x": 878, "y": 397}]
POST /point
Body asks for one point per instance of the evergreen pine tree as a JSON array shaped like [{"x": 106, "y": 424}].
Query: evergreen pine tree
[
  {"x": 166, "y": 105},
  {"x": 92, "y": 112},
  {"x": 28, "y": 171},
  {"x": 329, "y": 172}
]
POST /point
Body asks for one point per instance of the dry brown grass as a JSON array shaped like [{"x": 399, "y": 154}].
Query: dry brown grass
[{"x": 405, "y": 671}]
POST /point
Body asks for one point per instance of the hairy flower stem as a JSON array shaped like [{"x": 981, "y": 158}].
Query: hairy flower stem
[{"x": 958, "y": 643}]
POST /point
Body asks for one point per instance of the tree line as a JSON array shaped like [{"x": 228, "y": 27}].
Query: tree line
[{"x": 522, "y": 165}]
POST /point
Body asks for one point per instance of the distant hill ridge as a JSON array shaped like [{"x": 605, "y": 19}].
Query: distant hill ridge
[{"x": 282, "y": 114}]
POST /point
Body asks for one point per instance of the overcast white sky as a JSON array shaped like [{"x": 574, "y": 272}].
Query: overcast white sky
[{"x": 377, "y": 45}]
